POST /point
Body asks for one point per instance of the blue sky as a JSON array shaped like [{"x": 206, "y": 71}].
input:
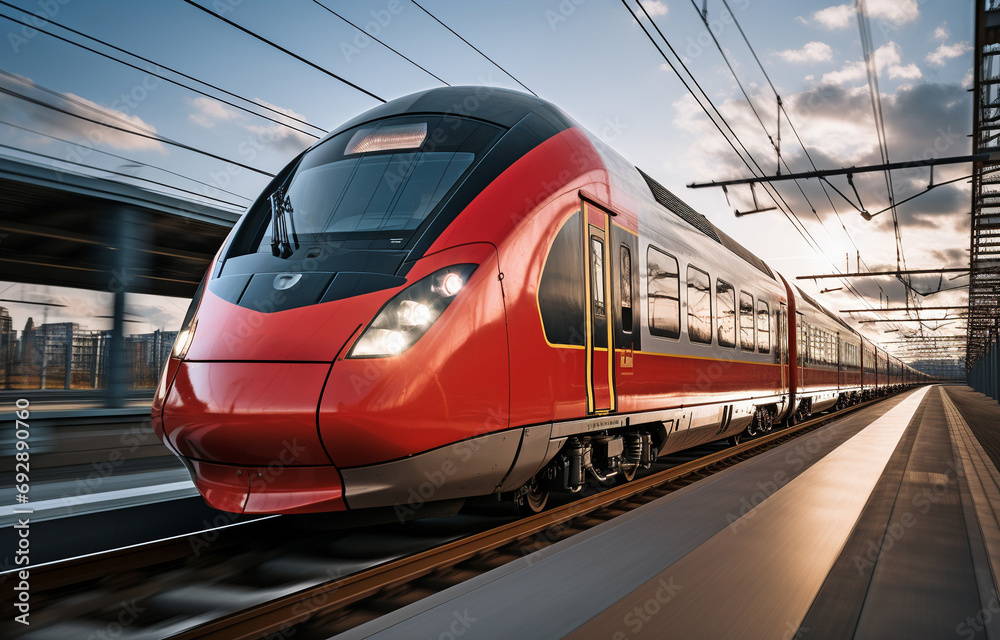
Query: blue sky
[{"x": 589, "y": 57}]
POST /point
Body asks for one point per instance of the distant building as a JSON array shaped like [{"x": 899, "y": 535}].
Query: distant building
[
  {"x": 60, "y": 342},
  {"x": 7, "y": 335},
  {"x": 146, "y": 354},
  {"x": 27, "y": 352}
]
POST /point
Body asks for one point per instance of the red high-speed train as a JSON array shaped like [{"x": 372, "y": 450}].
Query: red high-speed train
[{"x": 461, "y": 293}]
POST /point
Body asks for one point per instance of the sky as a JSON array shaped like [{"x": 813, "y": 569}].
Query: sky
[{"x": 589, "y": 57}]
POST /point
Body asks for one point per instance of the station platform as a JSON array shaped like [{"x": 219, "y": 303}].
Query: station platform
[{"x": 884, "y": 524}]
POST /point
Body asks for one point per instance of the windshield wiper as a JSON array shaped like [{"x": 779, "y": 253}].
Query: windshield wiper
[{"x": 281, "y": 214}]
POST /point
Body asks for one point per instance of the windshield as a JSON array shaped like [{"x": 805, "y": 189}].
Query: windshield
[{"x": 373, "y": 186}]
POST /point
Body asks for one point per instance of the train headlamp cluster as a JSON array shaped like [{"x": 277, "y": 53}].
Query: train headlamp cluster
[
  {"x": 408, "y": 316},
  {"x": 186, "y": 334},
  {"x": 183, "y": 340}
]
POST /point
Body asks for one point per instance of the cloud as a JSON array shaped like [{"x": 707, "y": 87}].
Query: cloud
[
  {"x": 655, "y": 7},
  {"x": 941, "y": 33},
  {"x": 896, "y": 12},
  {"x": 946, "y": 52},
  {"x": 281, "y": 137},
  {"x": 66, "y": 126},
  {"x": 810, "y": 52},
  {"x": 888, "y": 59},
  {"x": 835, "y": 17},
  {"x": 908, "y": 72},
  {"x": 208, "y": 112},
  {"x": 836, "y": 122}
]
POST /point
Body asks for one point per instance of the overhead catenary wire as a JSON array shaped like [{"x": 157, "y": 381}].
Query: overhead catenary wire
[
  {"x": 798, "y": 137},
  {"x": 285, "y": 51},
  {"x": 474, "y": 48},
  {"x": 776, "y": 145},
  {"x": 134, "y": 132},
  {"x": 864, "y": 27},
  {"x": 170, "y": 80},
  {"x": 93, "y": 107},
  {"x": 119, "y": 157},
  {"x": 368, "y": 35},
  {"x": 775, "y": 195}
]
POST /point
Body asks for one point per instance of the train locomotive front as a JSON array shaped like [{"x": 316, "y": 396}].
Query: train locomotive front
[{"x": 349, "y": 346}]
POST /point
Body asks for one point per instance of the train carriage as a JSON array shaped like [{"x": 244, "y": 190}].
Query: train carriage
[{"x": 463, "y": 292}]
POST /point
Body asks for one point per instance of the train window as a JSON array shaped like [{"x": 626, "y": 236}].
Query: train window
[
  {"x": 802, "y": 344},
  {"x": 562, "y": 290},
  {"x": 371, "y": 187},
  {"x": 664, "y": 292},
  {"x": 699, "y": 303},
  {"x": 763, "y": 327},
  {"x": 746, "y": 321},
  {"x": 597, "y": 274},
  {"x": 725, "y": 295},
  {"x": 626, "y": 290}
]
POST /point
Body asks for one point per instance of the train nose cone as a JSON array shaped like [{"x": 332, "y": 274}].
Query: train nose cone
[{"x": 246, "y": 413}]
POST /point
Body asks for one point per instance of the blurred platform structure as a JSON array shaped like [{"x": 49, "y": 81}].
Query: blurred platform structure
[
  {"x": 885, "y": 524},
  {"x": 983, "y": 345},
  {"x": 64, "y": 229}
]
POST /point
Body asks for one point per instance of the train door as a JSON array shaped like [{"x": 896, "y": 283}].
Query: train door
[
  {"x": 600, "y": 352},
  {"x": 783, "y": 345}
]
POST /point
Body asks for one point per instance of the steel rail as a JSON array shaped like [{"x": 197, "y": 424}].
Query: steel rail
[{"x": 288, "y": 611}]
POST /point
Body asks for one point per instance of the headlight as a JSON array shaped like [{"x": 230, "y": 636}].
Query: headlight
[
  {"x": 186, "y": 335},
  {"x": 183, "y": 341},
  {"x": 408, "y": 316}
]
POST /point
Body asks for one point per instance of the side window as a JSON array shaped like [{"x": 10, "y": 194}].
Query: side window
[
  {"x": 562, "y": 289},
  {"x": 763, "y": 327},
  {"x": 597, "y": 274},
  {"x": 725, "y": 296},
  {"x": 664, "y": 292},
  {"x": 626, "y": 272},
  {"x": 746, "y": 321},
  {"x": 699, "y": 305}
]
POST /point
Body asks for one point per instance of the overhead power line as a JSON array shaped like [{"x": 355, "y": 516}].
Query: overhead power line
[
  {"x": 133, "y": 132},
  {"x": 166, "y": 79},
  {"x": 876, "y": 98},
  {"x": 368, "y": 35},
  {"x": 788, "y": 212},
  {"x": 115, "y": 155},
  {"x": 285, "y": 51},
  {"x": 492, "y": 61},
  {"x": 798, "y": 138}
]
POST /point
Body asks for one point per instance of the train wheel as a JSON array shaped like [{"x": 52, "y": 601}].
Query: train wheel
[
  {"x": 767, "y": 422},
  {"x": 753, "y": 429},
  {"x": 736, "y": 439},
  {"x": 533, "y": 499}
]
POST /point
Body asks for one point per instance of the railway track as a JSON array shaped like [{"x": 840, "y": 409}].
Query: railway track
[{"x": 321, "y": 597}]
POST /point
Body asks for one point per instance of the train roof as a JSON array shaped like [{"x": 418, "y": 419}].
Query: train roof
[
  {"x": 805, "y": 296},
  {"x": 683, "y": 210},
  {"x": 503, "y": 107},
  {"x": 506, "y": 108}
]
